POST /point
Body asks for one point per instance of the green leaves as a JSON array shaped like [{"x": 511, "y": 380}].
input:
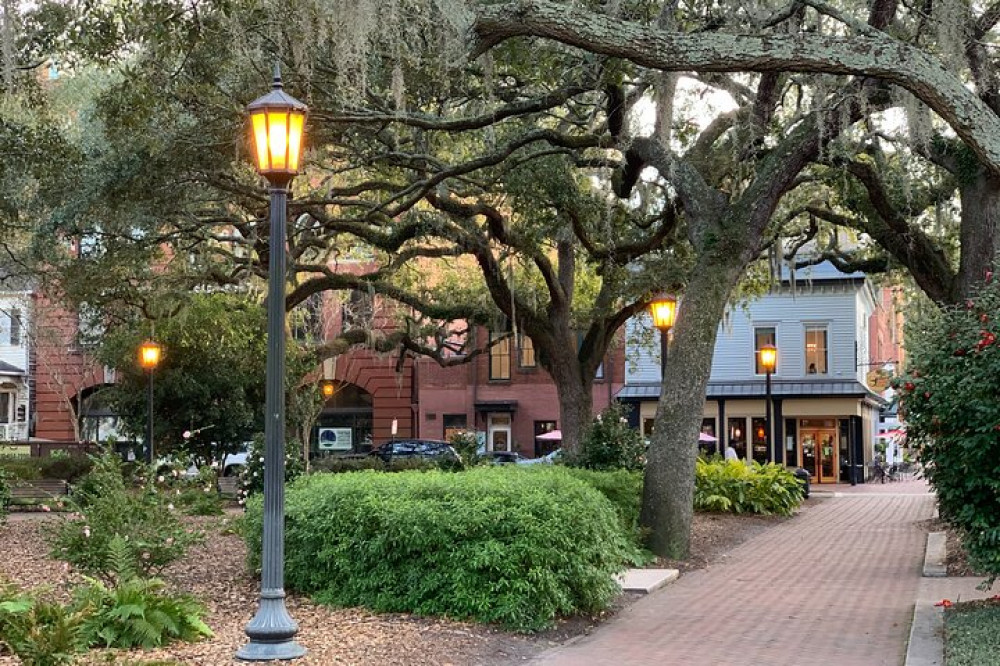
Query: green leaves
[
  {"x": 515, "y": 546},
  {"x": 949, "y": 401},
  {"x": 732, "y": 486}
]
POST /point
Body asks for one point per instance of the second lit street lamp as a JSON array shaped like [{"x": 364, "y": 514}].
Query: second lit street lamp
[
  {"x": 277, "y": 121},
  {"x": 768, "y": 361},
  {"x": 663, "y": 308},
  {"x": 149, "y": 358}
]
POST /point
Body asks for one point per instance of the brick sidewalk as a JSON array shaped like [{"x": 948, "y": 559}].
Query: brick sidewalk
[{"x": 835, "y": 586}]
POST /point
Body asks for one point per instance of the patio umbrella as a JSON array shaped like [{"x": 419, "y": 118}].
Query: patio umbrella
[
  {"x": 551, "y": 436},
  {"x": 705, "y": 437}
]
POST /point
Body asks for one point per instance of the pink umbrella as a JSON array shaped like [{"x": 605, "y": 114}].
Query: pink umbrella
[
  {"x": 551, "y": 436},
  {"x": 705, "y": 437}
]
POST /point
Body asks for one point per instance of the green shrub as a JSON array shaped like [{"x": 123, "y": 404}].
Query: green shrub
[
  {"x": 21, "y": 468},
  {"x": 732, "y": 486},
  {"x": 466, "y": 442},
  {"x": 952, "y": 414},
  {"x": 623, "y": 488},
  {"x": 610, "y": 443},
  {"x": 40, "y": 632},
  {"x": 66, "y": 467},
  {"x": 104, "y": 507},
  {"x": 252, "y": 474},
  {"x": 509, "y": 545},
  {"x": 193, "y": 496},
  {"x": 336, "y": 464},
  {"x": 4, "y": 495}
]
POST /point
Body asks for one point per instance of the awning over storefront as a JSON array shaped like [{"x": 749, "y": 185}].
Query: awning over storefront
[
  {"x": 756, "y": 389},
  {"x": 496, "y": 405}
]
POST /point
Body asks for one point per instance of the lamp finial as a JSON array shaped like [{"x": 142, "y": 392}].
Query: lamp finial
[{"x": 276, "y": 83}]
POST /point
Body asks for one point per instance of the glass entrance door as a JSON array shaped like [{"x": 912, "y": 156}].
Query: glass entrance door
[
  {"x": 827, "y": 456},
  {"x": 819, "y": 455}
]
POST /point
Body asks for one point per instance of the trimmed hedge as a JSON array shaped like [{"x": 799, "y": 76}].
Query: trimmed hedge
[
  {"x": 731, "y": 485},
  {"x": 623, "y": 488},
  {"x": 518, "y": 547},
  {"x": 66, "y": 467}
]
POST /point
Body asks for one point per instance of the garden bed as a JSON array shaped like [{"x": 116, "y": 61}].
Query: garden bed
[{"x": 214, "y": 573}]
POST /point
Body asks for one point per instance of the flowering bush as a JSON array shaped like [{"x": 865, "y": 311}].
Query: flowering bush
[
  {"x": 252, "y": 474},
  {"x": 949, "y": 401},
  {"x": 193, "y": 495},
  {"x": 104, "y": 507},
  {"x": 611, "y": 443}
]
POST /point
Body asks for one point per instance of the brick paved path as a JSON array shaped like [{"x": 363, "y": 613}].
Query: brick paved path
[{"x": 834, "y": 586}]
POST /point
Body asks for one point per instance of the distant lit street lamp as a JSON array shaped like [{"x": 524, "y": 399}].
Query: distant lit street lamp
[
  {"x": 277, "y": 120},
  {"x": 328, "y": 388},
  {"x": 663, "y": 308},
  {"x": 149, "y": 358},
  {"x": 768, "y": 360}
]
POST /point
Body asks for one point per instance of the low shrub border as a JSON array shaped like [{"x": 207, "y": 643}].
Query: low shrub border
[
  {"x": 519, "y": 547},
  {"x": 733, "y": 486}
]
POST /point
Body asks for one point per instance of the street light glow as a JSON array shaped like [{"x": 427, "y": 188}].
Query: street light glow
[
  {"x": 768, "y": 358},
  {"x": 277, "y": 120},
  {"x": 664, "y": 311},
  {"x": 149, "y": 355}
]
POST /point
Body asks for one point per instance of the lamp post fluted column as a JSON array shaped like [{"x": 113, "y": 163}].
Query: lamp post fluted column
[
  {"x": 149, "y": 358},
  {"x": 277, "y": 123},
  {"x": 769, "y": 360}
]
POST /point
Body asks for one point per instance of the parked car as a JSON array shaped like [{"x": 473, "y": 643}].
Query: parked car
[
  {"x": 424, "y": 449},
  {"x": 503, "y": 457},
  {"x": 548, "y": 458}
]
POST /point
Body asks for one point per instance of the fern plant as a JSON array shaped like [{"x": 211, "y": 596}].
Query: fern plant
[
  {"x": 136, "y": 612},
  {"x": 39, "y": 632}
]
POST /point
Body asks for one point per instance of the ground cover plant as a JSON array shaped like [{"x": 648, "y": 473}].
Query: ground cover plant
[
  {"x": 971, "y": 637},
  {"x": 514, "y": 546},
  {"x": 734, "y": 486},
  {"x": 103, "y": 507},
  {"x": 948, "y": 398}
]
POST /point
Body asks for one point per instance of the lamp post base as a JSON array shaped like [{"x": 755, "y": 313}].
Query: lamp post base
[{"x": 271, "y": 631}]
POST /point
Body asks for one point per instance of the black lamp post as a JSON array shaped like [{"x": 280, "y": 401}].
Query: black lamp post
[
  {"x": 768, "y": 360},
  {"x": 149, "y": 358},
  {"x": 277, "y": 121},
  {"x": 663, "y": 308}
]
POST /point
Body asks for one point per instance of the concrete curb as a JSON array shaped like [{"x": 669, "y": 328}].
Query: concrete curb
[
  {"x": 645, "y": 581},
  {"x": 935, "y": 555}
]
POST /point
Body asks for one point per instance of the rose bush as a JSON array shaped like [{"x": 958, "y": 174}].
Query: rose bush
[{"x": 949, "y": 401}]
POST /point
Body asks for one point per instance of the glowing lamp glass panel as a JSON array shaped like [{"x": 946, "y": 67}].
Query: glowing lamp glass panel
[
  {"x": 277, "y": 134},
  {"x": 328, "y": 389},
  {"x": 149, "y": 355},
  {"x": 768, "y": 357},
  {"x": 664, "y": 310}
]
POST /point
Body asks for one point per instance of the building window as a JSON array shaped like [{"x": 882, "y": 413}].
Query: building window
[
  {"x": 527, "y": 352},
  {"x": 762, "y": 336},
  {"x": 816, "y": 350},
  {"x": 599, "y": 373},
  {"x": 7, "y": 401},
  {"x": 453, "y": 424},
  {"x": 15, "y": 327},
  {"x": 499, "y": 355}
]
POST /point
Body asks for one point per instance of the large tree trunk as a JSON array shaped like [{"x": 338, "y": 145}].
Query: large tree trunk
[
  {"x": 576, "y": 399},
  {"x": 980, "y": 198},
  {"x": 668, "y": 489}
]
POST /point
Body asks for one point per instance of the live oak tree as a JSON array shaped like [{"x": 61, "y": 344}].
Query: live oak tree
[
  {"x": 874, "y": 44},
  {"x": 416, "y": 157}
]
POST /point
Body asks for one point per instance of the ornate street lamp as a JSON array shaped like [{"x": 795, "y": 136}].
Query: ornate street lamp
[
  {"x": 277, "y": 121},
  {"x": 663, "y": 308},
  {"x": 768, "y": 361},
  {"x": 328, "y": 388},
  {"x": 149, "y": 358}
]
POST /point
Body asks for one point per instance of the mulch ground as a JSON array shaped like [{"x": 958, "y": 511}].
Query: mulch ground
[{"x": 214, "y": 573}]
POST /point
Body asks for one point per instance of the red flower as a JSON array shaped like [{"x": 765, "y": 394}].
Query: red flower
[
  {"x": 927, "y": 394},
  {"x": 945, "y": 602},
  {"x": 959, "y": 352},
  {"x": 909, "y": 386},
  {"x": 984, "y": 318}
]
